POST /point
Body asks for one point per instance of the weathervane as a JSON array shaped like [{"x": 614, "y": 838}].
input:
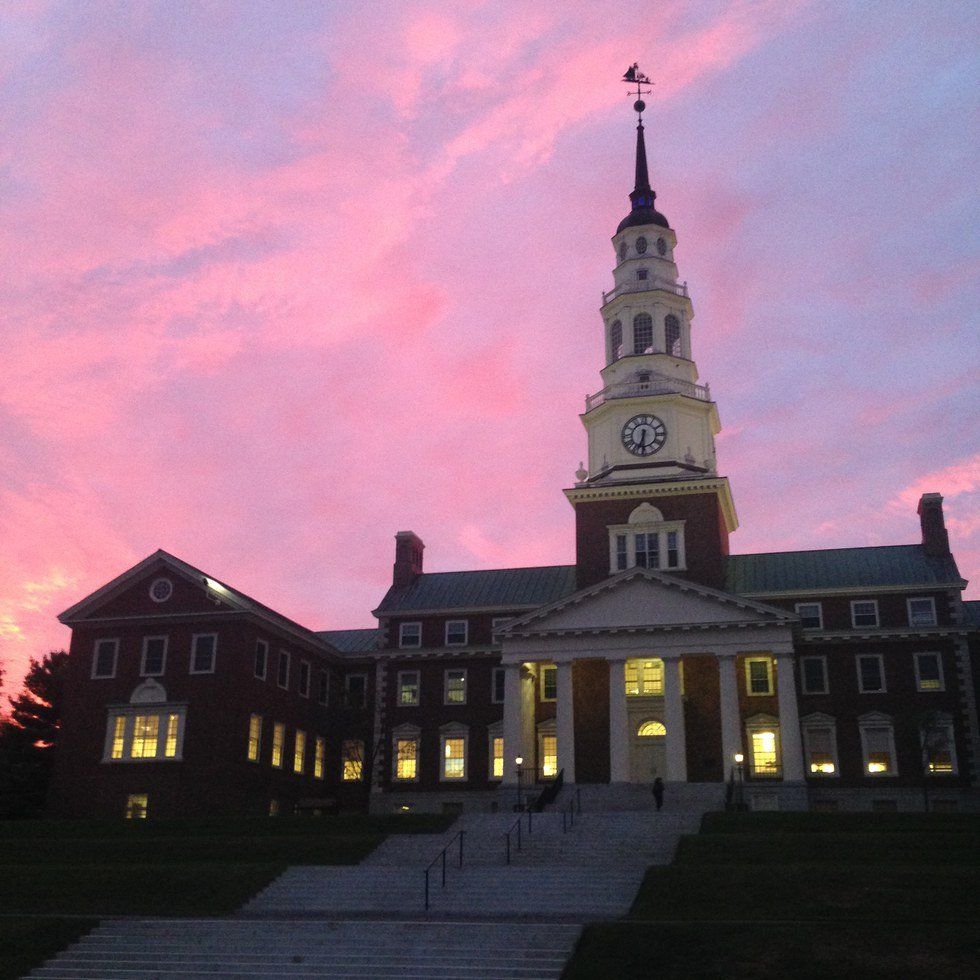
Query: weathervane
[{"x": 636, "y": 77}]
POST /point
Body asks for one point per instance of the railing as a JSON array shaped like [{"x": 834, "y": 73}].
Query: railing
[
  {"x": 568, "y": 812},
  {"x": 442, "y": 854},
  {"x": 642, "y": 285},
  {"x": 550, "y": 793},
  {"x": 516, "y": 826},
  {"x": 656, "y": 386}
]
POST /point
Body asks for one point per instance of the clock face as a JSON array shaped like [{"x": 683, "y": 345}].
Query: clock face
[
  {"x": 661, "y": 247},
  {"x": 644, "y": 435},
  {"x": 641, "y": 245}
]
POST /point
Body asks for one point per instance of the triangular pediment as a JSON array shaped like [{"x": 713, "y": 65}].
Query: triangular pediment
[{"x": 643, "y": 599}]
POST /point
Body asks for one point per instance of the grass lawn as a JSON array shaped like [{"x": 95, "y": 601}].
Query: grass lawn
[
  {"x": 772, "y": 895},
  {"x": 57, "y": 869}
]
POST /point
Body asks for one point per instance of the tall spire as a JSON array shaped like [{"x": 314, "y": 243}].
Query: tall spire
[{"x": 642, "y": 197}]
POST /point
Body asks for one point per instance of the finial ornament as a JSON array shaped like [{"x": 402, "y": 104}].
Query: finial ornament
[{"x": 636, "y": 77}]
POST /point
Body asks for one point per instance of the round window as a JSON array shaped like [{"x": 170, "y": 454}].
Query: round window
[
  {"x": 641, "y": 245},
  {"x": 161, "y": 590}
]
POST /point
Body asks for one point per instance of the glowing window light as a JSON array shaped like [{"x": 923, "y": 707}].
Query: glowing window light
[
  {"x": 170, "y": 745},
  {"x": 498, "y": 758},
  {"x": 299, "y": 753},
  {"x": 549, "y": 756},
  {"x": 319, "y": 757},
  {"x": 406, "y": 758},
  {"x": 118, "y": 734},
  {"x": 764, "y": 753},
  {"x": 454, "y": 763},
  {"x": 651, "y": 729},
  {"x": 146, "y": 729},
  {"x": 254, "y": 737},
  {"x": 353, "y": 754},
  {"x": 278, "y": 741}
]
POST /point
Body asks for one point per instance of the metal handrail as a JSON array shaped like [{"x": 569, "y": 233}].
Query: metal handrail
[
  {"x": 516, "y": 825},
  {"x": 442, "y": 854}
]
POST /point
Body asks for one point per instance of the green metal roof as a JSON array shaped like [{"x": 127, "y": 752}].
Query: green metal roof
[
  {"x": 503, "y": 588},
  {"x": 351, "y": 641},
  {"x": 838, "y": 568}
]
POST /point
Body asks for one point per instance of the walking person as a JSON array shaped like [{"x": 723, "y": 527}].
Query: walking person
[{"x": 658, "y": 792}]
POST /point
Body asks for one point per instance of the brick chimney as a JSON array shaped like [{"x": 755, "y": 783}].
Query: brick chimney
[
  {"x": 935, "y": 540},
  {"x": 408, "y": 558}
]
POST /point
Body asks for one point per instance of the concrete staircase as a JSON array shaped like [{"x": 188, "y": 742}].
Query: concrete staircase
[{"x": 162, "y": 949}]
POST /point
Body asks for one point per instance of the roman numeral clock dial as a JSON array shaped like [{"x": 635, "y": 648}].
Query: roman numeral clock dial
[{"x": 644, "y": 435}]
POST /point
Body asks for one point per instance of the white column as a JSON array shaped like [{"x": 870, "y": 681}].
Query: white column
[
  {"x": 790, "y": 739},
  {"x": 565, "y": 722},
  {"x": 513, "y": 722},
  {"x": 674, "y": 720},
  {"x": 619, "y": 734},
  {"x": 731, "y": 722}
]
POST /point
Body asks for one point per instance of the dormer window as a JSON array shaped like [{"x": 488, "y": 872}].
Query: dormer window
[{"x": 647, "y": 541}]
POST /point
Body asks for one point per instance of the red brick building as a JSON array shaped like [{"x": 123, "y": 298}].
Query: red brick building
[{"x": 835, "y": 679}]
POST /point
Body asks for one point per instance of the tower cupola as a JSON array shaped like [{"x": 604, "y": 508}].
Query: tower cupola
[{"x": 642, "y": 196}]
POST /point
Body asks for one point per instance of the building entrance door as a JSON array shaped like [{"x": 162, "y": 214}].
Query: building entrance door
[{"x": 648, "y": 752}]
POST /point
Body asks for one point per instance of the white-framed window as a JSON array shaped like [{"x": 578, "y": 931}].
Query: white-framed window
[
  {"x": 204, "y": 649},
  {"x": 452, "y": 753},
  {"x": 549, "y": 683},
  {"x": 153, "y": 662},
  {"x": 323, "y": 687},
  {"x": 647, "y": 541},
  {"x": 813, "y": 675},
  {"x": 938, "y": 744},
  {"x": 409, "y": 688},
  {"x": 410, "y": 634},
  {"x": 454, "y": 690},
  {"x": 405, "y": 744},
  {"x": 141, "y": 733},
  {"x": 811, "y": 615},
  {"x": 457, "y": 632},
  {"x": 495, "y": 750},
  {"x": 758, "y": 676},
  {"x": 254, "y": 737},
  {"x": 299, "y": 752},
  {"x": 282, "y": 670},
  {"x": 352, "y": 760},
  {"x": 922, "y": 611},
  {"x": 498, "y": 685},
  {"x": 319, "y": 757},
  {"x": 864, "y": 613},
  {"x": 304, "y": 678},
  {"x": 548, "y": 749},
  {"x": 820, "y": 745},
  {"x": 137, "y": 806},
  {"x": 645, "y": 678},
  {"x": 355, "y": 691},
  {"x": 878, "y": 745},
  {"x": 765, "y": 759},
  {"x": 642, "y": 333},
  {"x": 261, "y": 668},
  {"x": 871, "y": 673},
  {"x": 104, "y": 658},
  {"x": 929, "y": 672},
  {"x": 278, "y": 744}
]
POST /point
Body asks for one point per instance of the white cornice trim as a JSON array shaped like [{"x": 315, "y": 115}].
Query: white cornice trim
[
  {"x": 891, "y": 633},
  {"x": 652, "y": 628},
  {"x": 856, "y": 590},
  {"x": 458, "y": 611}
]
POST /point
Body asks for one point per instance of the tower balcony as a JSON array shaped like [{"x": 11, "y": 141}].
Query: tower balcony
[
  {"x": 655, "y": 386},
  {"x": 643, "y": 286}
]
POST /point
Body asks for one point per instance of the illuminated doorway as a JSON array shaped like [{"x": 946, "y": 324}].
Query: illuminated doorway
[{"x": 648, "y": 751}]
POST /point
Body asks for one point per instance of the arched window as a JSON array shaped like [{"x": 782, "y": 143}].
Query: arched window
[
  {"x": 651, "y": 729},
  {"x": 672, "y": 334},
  {"x": 642, "y": 333},
  {"x": 616, "y": 339}
]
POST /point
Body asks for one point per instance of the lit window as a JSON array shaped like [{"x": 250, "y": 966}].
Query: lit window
[
  {"x": 878, "y": 744},
  {"x": 763, "y": 743},
  {"x": 278, "y": 744},
  {"x": 814, "y": 675},
  {"x": 758, "y": 675},
  {"x": 616, "y": 340},
  {"x": 254, "y": 737},
  {"x": 355, "y": 690},
  {"x": 410, "y": 635},
  {"x": 145, "y": 731},
  {"x": 118, "y": 736},
  {"x": 273, "y": 808},
  {"x": 642, "y": 333},
  {"x": 453, "y": 758},
  {"x": 299, "y": 753},
  {"x": 672, "y": 335},
  {"x": 651, "y": 729},
  {"x": 154, "y": 656},
  {"x": 929, "y": 672},
  {"x": 811, "y": 615},
  {"x": 406, "y": 758},
  {"x": 304, "y": 678},
  {"x": 408, "y": 688},
  {"x": 499, "y": 683},
  {"x": 871, "y": 673},
  {"x": 203, "y": 648},
  {"x": 455, "y": 691},
  {"x": 549, "y": 683},
  {"x": 261, "y": 659},
  {"x": 352, "y": 755},
  {"x": 137, "y": 805},
  {"x": 864, "y": 614},
  {"x": 645, "y": 678},
  {"x": 104, "y": 658},
  {"x": 282, "y": 670},
  {"x": 938, "y": 746},
  {"x": 170, "y": 744},
  {"x": 323, "y": 694},
  {"x": 548, "y": 749},
  {"x": 922, "y": 612},
  {"x": 496, "y": 757},
  {"x": 319, "y": 757},
  {"x": 457, "y": 632},
  {"x": 820, "y": 745}
]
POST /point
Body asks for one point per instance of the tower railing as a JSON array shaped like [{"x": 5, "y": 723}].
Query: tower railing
[
  {"x": 656, "y": 386},
  {"x": 643, "y": 285}
]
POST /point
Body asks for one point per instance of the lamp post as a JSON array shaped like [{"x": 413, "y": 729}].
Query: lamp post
[
  {"x": 519, "y": 761},
  {"x": 738, "y": 776}
]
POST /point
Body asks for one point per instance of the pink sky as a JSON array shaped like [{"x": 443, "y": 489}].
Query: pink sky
[{"x": 278, "y": 280}]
